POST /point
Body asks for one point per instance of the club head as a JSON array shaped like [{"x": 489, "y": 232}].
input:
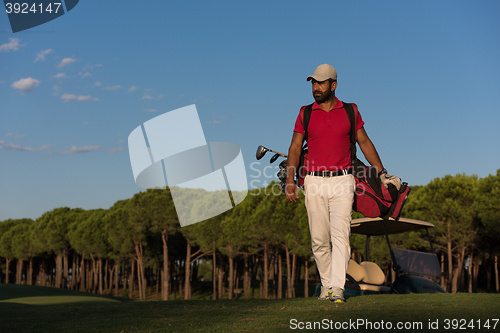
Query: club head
[
  {"x": 283, "y": 164},
  {"x": 274, "y": 158},
  {"x": 261, "y": 151}
]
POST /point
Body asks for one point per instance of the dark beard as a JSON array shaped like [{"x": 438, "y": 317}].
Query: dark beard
[{"x": 327, "y": 95}]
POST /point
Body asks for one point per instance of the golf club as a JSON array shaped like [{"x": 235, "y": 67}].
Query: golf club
[
  {"x": 274, "y": 158},
  {"x": 261, "y": 151}
]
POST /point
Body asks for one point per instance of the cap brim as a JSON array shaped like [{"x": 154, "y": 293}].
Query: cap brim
[{"x": 317, "y": 78}]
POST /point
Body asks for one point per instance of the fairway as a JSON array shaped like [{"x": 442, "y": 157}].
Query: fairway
[{"x": 59, "y": 310}]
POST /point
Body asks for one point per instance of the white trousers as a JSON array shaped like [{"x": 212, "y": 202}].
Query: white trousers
[{"x": 329, "y": 208}]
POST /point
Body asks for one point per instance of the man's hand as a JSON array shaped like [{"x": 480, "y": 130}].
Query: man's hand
[
  {"x": 390, "y": 179},
  {"x": 291, "y": 191}
]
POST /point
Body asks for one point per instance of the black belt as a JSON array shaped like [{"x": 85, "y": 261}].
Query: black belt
[{"x": 328, "y": 173}]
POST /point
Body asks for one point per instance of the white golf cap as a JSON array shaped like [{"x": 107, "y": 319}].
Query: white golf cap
[{"x": 323, "y": 73}]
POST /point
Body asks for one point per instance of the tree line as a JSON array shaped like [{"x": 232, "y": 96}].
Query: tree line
[{"x": 137, "y": 245}]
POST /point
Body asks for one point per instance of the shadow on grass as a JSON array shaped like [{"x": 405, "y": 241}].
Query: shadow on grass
[{"x": 36, "y": 295}]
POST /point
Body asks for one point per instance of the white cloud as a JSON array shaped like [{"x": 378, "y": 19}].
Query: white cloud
[
  {"x": 25, "y": 85},
  {"x": 147, "y": 97},
  {"x": 79, "y": 150},
  {"x": 41, "y": 55},
  {"x": 65, "y": 62},
  {"x": 2, "y": 142},
  {"x": 134, "y": 88},
  {"x": 151, "y": 110},
  {"x": 9, "y": 134},
  {"x": 11, "y": 146},
  {"x": 84, "y": 74},
  {"x": 72, "y": 98},
  {"x": 97, "y": 84},
  {"x": 13, "y": 45},
  {"x": 113, "y": 87},
  {"x": 116, "y": 150},
  {"x": 60, "y": 76}
]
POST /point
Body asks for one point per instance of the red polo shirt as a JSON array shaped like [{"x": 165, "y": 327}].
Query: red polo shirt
[{"x": 328, "y": 143}]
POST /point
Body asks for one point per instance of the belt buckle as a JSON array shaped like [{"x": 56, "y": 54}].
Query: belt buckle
[{"x": 323, "y": 173}]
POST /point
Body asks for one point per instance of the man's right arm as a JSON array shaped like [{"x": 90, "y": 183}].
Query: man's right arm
[{"x": 292, "y": 164}]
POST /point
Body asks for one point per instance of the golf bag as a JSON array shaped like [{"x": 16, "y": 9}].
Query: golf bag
[{"x": 372, "y": 198}]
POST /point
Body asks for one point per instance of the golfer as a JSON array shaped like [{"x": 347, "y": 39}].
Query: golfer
[{"x": 329, "y": 183}]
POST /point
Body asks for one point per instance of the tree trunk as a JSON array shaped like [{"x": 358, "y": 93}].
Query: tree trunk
[
  {"x": 19, "y": 271},
  {"x": 29, "y": 277},
  {"x": 236, "y": 279},
  {"x": 214, "y": 273},
  {"x": 141, "y": 279},
  {"x": 7, "y": 264},
  {"x": 450, "y": 263},
  {"x": 117, "y": 269},
  {"x": 131, "y": 281},
  {"x": 221, "y": 278},
  {"x": 164, "y": 283},
  {"x": 105, "y": 282},
  {"x": 41, "y": 274},
  {"x": 109, "y": 273},
  {"x": 158, "y": 276},
  {"x": 73, "y": 271},
  {"x": 488, "y": 267},
  {"x": 497, "y": 284},
  {"x": 266, "y": 273},
  {"x": 231, "y": 277},
  {"x": 475, "y": 275},
  {"x": 288, "y": 274},
  {"x": 65, "y": 270},
  {"x": 100, "y": 276},
  {"x": 443, "y": 285},
  {"x": 95, "y": 270},
  {"x": 252, "y": 275},
  {"x": 181, "y": 279},
  {"x": 246, "y": 277},
  {"x": 82, "y": 274},
  {"x": 280, "y": 277},
  {"x": 274, "y": 273},
  {"x": 294, "y": 274},
  {"x": 91, "y": 280},
  {"x": 59, "y": 272},
  {"x": 306, "y": 277},
  {"x": 187, "y": 272},
  {"x": 458, "y": 271}
]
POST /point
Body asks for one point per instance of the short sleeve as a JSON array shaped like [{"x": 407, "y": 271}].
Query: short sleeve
[
  {"x": 299, "y": 126},
  {"x": 359, "y": 121}
]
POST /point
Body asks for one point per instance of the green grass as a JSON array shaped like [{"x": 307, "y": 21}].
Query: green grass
[{"x": 67, "y": 311}]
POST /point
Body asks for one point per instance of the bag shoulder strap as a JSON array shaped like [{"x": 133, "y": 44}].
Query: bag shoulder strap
[
  {"x": 307, "y": 117},
  {"x": 352, "y": 134}
]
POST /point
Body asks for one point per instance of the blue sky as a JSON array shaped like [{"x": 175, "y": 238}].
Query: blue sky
[{"x": 425, "y": 76}]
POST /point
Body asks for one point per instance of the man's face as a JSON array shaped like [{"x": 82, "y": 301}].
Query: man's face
[{"x": 323, "y": 91}]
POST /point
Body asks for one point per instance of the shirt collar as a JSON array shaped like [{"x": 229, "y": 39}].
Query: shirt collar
[{"x": 338, "y": 105}]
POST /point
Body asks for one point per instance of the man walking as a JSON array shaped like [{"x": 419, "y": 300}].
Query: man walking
[{"x": 329, "y": 184}]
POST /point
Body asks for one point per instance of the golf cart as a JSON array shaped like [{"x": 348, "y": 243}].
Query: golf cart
[{"x": 413, "y": 268}]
